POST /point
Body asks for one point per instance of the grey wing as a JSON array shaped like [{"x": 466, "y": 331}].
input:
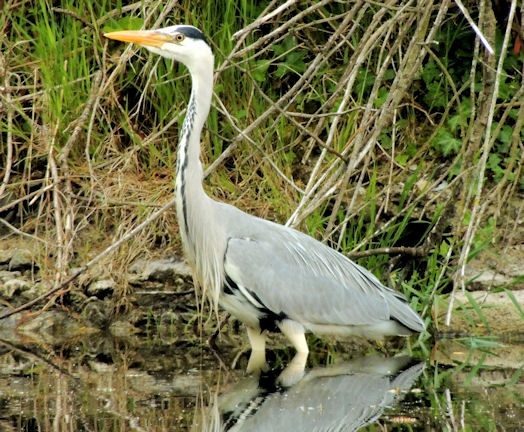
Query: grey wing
[{"x": 289, "y": 272}]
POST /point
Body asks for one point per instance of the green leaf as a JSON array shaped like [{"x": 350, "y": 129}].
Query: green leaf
[
  {"x": 505, "y": 136},
  {"x": 445, "y": 142},
  {"x": 125, "y": 23},
  {"x": 435, "y": 95},
  {"x": 389, "y": 75},
  {"x": 402, "y": 159},
  {"x": 381, "y": 97},
  {"x": 259, "y": 71},
  {"x": 430, "y": 72},
  {"x": 293, "y": 59},
  {"x": 286, "y": 45},
  {"x": 365, "y": 80},
  {"x": 444, "y": 248},
  {"x": 453, "y": 122}
]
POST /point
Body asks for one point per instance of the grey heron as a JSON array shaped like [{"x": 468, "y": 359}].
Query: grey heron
[{"x": 271, "y": 277}]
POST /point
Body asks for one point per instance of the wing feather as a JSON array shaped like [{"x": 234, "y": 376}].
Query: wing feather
[
  {"x": 292, "y": 273},
  {"x": 309, "y": 282}
]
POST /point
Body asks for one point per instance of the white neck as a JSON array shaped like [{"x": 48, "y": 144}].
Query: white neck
[
  {"x": 190, "y": 195},
  {"x": 194, "y": 207}
]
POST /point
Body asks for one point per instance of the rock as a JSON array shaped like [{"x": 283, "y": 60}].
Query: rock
[
  {"x": 498, "y": 313},
  {"x": 21, "y": 259},
  {"x": 97, "y": 312},
  {"x": 8, "y": 275},
  {"x": 484, "y": 278},
  {"x": 53, "y": 327},
  {"x": 13, "y": 286},
  {"x": 101, "y": 367},
  {"x": 35, "y": 290},
  {"x": 186, "y": 384},
  {"x": 101, "y": 288},
  {"x": 497, "y": 268},
  {"x": 160, "y": 270},
  {"x": 168, "y": 318},
  {"x": 8, "y": 323},
  {"x": 5, "y": 256}
]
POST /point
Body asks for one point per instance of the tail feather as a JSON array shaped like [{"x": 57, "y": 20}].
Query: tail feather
[{"x": 400, "y": 311}]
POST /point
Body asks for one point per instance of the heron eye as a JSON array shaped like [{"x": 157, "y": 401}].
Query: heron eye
[{"x": 179, "y": 37}]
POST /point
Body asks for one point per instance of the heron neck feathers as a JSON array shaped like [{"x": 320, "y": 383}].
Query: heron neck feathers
[{"x": 194, "y": 207}]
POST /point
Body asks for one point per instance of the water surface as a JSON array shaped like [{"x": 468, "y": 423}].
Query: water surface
[{"x": 156, "y": 383}]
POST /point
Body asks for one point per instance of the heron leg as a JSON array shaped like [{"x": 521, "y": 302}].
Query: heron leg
[
  {"x": 257, "y": 339},
  {"x": 295, "y": 332},
  {"x": 257, "y": 359}
]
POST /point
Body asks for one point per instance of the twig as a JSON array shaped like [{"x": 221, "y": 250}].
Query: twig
[
  {"x": 283, "y": 28},
  {"x": 329, "y": 114},
  {"x": 287, "y": 98},
  {"x": 261, "y": 20},
  {"x": 75, "y": 16},
  {"x": 24, "y": 351},
  {"x": 9, "y": 161},
  {"x": 30, "y": 195},
  {"x": 475, "y": 27},
  {"x": 17, "y": 231},
  {"x": 254, "y": 144},
  {"x": 80, "y": 122},
  {"x": 419, "y": 251}
]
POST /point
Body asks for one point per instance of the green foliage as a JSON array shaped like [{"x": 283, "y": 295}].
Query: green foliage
[
  {"x": 288, "y": 59},
  {"x": 454, "y": 46},
  {"x": 446, "y": 143},
  {"x": 293, "y": 58},
  {"x": 129, "y": 22}
]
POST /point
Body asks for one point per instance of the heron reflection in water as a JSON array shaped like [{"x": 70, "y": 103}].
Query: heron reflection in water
[{"x": 343, "y": 397}]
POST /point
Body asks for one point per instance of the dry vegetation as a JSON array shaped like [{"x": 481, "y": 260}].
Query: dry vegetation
[{"x": 368, "y": 124}]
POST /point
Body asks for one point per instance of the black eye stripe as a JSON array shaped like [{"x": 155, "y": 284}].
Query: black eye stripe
[{"x": 191, "y": 32}]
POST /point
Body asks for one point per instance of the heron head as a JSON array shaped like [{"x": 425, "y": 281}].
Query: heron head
[{"x": 182, "y": 43}]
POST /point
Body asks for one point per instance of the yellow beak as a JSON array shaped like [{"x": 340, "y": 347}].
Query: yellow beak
[{"x": 141, "y": 37}]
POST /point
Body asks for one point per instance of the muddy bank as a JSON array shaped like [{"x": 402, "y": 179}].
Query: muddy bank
[{"x": 483, "y": 313}]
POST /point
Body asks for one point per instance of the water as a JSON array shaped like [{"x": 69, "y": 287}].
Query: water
[{"x": 157, "y": 383}]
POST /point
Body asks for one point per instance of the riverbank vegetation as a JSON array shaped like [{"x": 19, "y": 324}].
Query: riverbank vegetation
[{"x": 369, "y": 125}]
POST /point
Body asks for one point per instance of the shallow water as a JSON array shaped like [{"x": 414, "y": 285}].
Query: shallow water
[{"x": 153, "y": 383}]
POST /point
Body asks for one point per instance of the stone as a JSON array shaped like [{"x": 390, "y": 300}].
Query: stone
[
  {"x": 122, "y": 329},
  {"x": 97, "y": 312},
  {"x": 36, "y": 289},
  {"x": 5, "y": 255},
  {"x": 495, "y": 268},
  {"x": 12, "y": 287},
  {"x": 8, "y": 275},
  {"x": 163, "y": 270},
  {"x": 101, "y": 288},
  {"x": 21, "y": 259},
  {"x": 452, "y": 352}
]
